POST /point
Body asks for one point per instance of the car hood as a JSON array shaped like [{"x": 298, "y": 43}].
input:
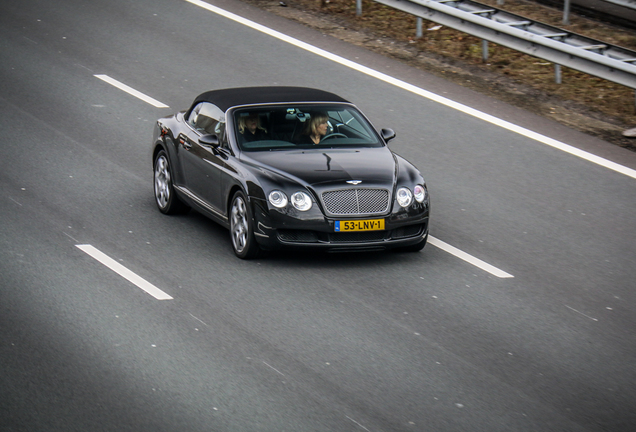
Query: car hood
[{"x": 319, "y": 166}]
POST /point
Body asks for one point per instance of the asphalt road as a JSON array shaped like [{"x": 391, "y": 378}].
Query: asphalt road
[{"x": 294, "y": 342}]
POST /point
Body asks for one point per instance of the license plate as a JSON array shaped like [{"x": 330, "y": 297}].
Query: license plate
[{"x": 360, "y": 225}]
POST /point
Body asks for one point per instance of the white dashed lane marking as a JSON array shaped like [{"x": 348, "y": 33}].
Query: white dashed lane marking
[
  {"x": 131, "y": 91},
  {"x": 124, "y": 272},
  {"x": 468, "y": 258}
]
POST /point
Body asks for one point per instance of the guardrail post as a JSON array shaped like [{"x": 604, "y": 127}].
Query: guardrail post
[
  {"x": 418, "y": 27},
  {"x": 358, "y": 7},
  {"x": 484, "y": 50},
  {"x": 557, "y": 73},
  {"x": 566, "y": 12}
]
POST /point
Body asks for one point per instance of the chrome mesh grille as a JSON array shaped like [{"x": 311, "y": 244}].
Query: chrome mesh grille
[{"x": 356, "y": 201}]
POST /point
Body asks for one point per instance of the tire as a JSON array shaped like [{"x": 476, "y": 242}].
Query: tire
[
  {"x": 165, "y": 197},
  {"x": 242, "y": 228},
  {"x": 414, "y": 248}
]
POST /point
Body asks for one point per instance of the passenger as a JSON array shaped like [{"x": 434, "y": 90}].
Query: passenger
[
  {"x": 315, "y": 129},
  {"x": 250, "y": 128}
]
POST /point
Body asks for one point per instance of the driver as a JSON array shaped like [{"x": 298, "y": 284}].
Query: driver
[{"x": 315, "y": 129}]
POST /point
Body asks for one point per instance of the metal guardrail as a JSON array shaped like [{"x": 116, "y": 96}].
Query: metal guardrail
[
  {"x": 622, "y": 12},
  {"x": 631, "y": 4},
  {"x": 534, "y": 38}
]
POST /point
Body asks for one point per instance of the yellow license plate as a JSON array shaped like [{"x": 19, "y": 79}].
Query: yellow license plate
[{"x": 359, "y": 225}]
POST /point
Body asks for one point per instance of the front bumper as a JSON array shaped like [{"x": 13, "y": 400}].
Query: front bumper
[{"x": 312, "y": 230}]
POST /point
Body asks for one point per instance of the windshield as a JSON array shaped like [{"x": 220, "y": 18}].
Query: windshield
[{"x": 302, "y": 126}]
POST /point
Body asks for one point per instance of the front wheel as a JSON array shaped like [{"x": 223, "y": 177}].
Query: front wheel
[
  {"x": 165, "y": 197},
  {"x": 241, "y": 228}
]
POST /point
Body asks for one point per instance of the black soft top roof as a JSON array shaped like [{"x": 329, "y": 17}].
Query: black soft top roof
[{"x": 228, "y": 98}]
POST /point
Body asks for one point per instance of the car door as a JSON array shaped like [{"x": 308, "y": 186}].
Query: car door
[{"x": 203, "y": 163}]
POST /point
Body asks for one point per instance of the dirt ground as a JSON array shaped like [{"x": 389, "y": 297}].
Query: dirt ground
[{"x": 583, "y": 102}]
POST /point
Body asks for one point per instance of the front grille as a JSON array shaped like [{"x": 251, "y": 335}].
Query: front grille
[{"x": 356, "y": 201}]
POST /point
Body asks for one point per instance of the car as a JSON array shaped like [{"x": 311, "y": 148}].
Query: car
[{"x": 289, "y": 167}]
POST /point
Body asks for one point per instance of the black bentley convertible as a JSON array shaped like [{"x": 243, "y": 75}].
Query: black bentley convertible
[{"x": 289, "y": 167}]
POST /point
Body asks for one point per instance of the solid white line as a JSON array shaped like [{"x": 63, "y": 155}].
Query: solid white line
[
  {"x": 131, "y": 91},
  {"x": 421, "y": 92},
  {"x": 468, "y": 258},
  {"x": 124, "y": 272}
]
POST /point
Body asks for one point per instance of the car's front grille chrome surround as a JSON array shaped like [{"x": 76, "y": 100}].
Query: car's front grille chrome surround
[{"x": 358, "y": 201}]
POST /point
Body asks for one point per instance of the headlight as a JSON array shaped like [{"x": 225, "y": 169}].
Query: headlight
[
  {"x": 277, "y": 198},
  {"x": 301, "y": 201},
  {"x": 404, "y": 197},
  {"x": 419, "y": 192}
]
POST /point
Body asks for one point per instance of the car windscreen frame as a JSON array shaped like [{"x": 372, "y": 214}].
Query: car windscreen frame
[{"x": 280, "y": 125}]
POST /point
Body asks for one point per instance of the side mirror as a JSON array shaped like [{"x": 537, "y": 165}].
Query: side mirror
[
  {"x": 209, "y": 140},
  {"x": 388, "y": 134}
]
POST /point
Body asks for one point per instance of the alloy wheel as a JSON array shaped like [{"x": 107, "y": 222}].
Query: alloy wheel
[
  {"x": 239, "y": 224},
  {"x": 162, "y": 181}
]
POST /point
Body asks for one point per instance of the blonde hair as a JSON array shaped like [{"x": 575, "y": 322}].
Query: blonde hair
[
  {"x": 242, "y": 126},
  {"x": 314, "y": 121}
]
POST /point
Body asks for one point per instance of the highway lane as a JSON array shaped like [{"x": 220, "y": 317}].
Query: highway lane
[{"x": 375, "y": 341}]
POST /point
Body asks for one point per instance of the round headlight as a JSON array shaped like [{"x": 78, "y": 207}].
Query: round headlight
[
  {"x": 419, "y": 192},
  {"x": 277, "y": 198},
  {"x": 404, "y": 197},
  {"x": 301, "y": 201}
]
